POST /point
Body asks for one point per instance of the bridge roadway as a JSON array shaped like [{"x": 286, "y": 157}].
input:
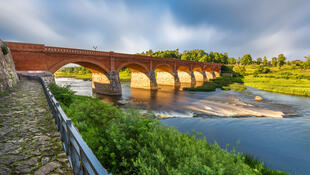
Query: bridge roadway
[{"x": 29, "y": 141}]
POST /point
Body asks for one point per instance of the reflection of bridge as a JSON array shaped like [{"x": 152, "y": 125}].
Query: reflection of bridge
[{"x": 106, "y": 65}]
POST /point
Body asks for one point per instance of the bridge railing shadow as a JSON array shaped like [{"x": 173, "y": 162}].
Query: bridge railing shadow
[{"x": 80, "y": 156}]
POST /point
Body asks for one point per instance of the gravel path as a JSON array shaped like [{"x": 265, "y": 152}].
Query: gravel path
[{"x": 29, "y": 141}]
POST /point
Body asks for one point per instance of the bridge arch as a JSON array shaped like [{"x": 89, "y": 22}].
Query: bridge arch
[
  {"x": 185, "y": 74},
  {"x": 165, "y": 75},
  {"x": 141, "y": 76},
  {"x": 199, "y": 74},
  {"x": 209, "y": 73},
  {"x": 95, "y": 65}
]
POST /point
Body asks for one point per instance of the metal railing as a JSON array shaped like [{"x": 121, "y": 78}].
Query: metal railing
[{"x": 80, "y": 156}]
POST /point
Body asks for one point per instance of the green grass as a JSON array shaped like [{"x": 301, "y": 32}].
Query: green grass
[
  {"x": 299, "y": 87},
  {"x": 123, "y": 75},
  {"x": 290, "y": 80},
  {"x": 126, "y": 143}
]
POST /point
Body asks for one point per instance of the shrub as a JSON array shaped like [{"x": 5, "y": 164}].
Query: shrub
[
  {"x": 4, "y": 48},
  {"x": 63, "y": 94},
  {"x": 227, "y": 69},
  {"x": 239, "y": 70}
]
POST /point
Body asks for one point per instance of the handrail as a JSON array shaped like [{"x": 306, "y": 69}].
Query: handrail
[{"x": 80, "y": 156}]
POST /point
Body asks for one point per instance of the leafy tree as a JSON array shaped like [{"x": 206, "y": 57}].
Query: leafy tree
[
  {"x": 246, "y": 59},
  {"x": 239, "y": 70},
  {"x": 265, "y": 61},
  {"x": 274, "y": 61},
  {"x": 259, "y": 60},
  {"x": 306, "y": 64},
  {"x": 232, "y": 60},
  {"x": 281, "y": 60}
]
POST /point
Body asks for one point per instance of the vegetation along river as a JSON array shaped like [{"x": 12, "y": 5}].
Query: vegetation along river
[{"x": 275, "y": 130}]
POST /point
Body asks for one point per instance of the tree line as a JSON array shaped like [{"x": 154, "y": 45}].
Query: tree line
[
  {"x": 191, "y": 55},
  {"x": 203, "y": 56}
]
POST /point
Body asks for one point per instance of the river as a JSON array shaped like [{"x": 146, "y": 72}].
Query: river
[{"x": 282, "y": 143}]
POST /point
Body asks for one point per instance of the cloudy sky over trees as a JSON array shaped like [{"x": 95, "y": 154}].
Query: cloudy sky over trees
[{"x": 259, "y": 27}]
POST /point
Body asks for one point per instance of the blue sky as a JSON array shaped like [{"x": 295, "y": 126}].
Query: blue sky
[{"x": 259, "y": 27}]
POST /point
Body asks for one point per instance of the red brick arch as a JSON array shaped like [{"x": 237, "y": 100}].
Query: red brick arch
[
  {"x": 92, "y": 64},
  {"x": 134, "y": 65}
]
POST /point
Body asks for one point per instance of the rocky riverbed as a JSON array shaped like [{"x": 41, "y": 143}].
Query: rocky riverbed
[{"x": 29, "y": 141}]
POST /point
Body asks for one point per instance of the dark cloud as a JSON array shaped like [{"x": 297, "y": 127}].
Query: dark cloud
[{"x": 259, "y": 27}]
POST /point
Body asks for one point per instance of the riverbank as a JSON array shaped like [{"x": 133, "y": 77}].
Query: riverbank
[
  {"x": 123, "y": 75},
  {"x": 287, "y": 80},
  {"x": 290, "y": 80},
  {"x": 133, "y": 144}
]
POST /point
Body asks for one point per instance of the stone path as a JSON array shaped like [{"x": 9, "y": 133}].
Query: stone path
[{"x": 29, "y": 141}]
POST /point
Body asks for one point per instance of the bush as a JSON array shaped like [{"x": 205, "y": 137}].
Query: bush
[
  {"x": 261, "y": 70},
  {"x": 4, "y": 48},
  {"x": 227, "y": 69},
  {"x": 239, "y": 70},
  {"x": 63, "y": 94}
]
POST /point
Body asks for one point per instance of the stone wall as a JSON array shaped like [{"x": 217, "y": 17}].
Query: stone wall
[{"x": 8, "y": 75}]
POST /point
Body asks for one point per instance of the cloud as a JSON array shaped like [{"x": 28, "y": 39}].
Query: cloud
[
  {"x": 259, "y": 27},
  {"x": 20, "y": 20}
]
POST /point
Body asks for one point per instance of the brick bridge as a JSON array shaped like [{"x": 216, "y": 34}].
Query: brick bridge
[{"x": 105, "y": 66}]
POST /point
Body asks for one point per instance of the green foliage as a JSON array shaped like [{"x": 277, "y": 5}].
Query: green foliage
[
  {"x": 274, "y": 61},
  {"x": 246, "y": 59},
  {"x": 227, "y": 69},
  {"x": 63, "y": 94},
  {"x": 240, "y": 70},
  {"x": 84, "y": 73},
  {"x": 261, "y": 70},
  {"x": 126, "y": 143},
  {"x": 193, "y": 55},
  {"x": 265, "y": 61},
  {"x": 232, "y": 60},
  {"x": 259, "y": 60},
  {"x": 281, "y": 60},
  {"x": 306, "y": 64},
  {"x": 4, "y": 48}
]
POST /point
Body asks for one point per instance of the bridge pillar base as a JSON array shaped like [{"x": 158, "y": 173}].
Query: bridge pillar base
[
  {"x": 143, "y": 80},
  {"x": 210, "y": 75},
  {"x": 107, "y": 84},
  {"x": 193, "y": 79}
]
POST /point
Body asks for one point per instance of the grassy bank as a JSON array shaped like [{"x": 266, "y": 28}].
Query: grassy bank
[
  {"x": 126, "y": 143},
  {"x": 225, "y": 83},
  {"x": 290, "y": 80},
  {"x": 123, "y": 75},
  {"x": 294, "y": 86}
]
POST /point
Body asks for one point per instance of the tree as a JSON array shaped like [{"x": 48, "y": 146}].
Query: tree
[
  {"x": 274, "y": 61},
  {"x": 265, "y": 61},
  {"x": 246, "y": 59},
  {"x": 259, "y": 60},
  {"x": 239, "y": 70},
  {"x": 232, "y": 60},
  {"x": 306, "y": 64},
  {"x": 281, "y": 60}
]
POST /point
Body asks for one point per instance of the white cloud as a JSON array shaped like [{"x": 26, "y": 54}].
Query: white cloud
[{"x": 23, "y": 19}]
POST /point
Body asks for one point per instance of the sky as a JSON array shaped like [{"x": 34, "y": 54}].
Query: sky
[{"x": 259, "y": 27}]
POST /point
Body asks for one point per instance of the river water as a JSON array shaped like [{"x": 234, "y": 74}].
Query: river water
[{"x": 281, "y": 143}]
